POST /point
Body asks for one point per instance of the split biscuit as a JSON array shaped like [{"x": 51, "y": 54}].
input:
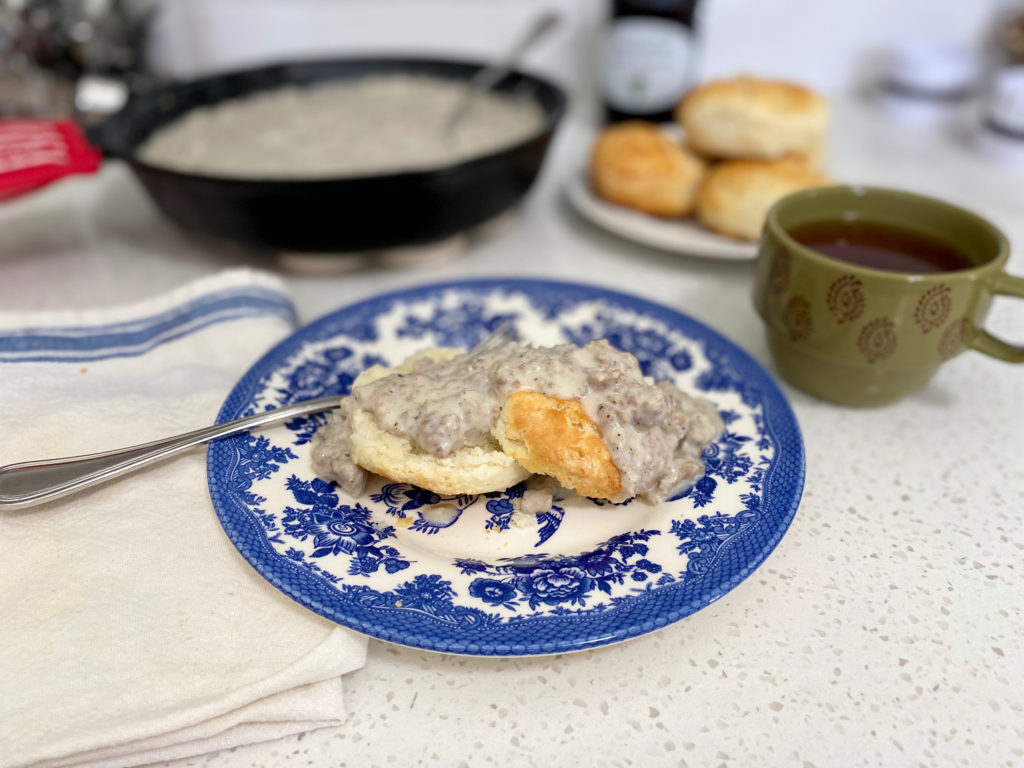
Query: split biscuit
[
  {"x": 555, "y": 437},
  {"x": 469, "y": 470}
]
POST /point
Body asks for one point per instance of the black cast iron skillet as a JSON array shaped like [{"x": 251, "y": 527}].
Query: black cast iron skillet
[{"x": 356, "y": 213}]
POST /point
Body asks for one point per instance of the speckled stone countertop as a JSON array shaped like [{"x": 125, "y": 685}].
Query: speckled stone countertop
[{"x": 887, "y": 627}]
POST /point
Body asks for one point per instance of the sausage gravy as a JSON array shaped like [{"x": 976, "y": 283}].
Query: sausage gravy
[{"x": 655, "y": 433}]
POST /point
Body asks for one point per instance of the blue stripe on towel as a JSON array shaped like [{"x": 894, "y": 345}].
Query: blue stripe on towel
[{"x": 137, "y": 336}]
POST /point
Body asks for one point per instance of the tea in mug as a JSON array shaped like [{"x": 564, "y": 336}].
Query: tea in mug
[{"x": 880, "y": 246}]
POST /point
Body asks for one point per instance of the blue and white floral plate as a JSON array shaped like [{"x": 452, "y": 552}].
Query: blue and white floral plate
[{"x": 467, "y": 574}]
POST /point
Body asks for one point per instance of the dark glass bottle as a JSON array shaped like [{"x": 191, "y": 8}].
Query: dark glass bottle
[{"x": 649, "y": 57}]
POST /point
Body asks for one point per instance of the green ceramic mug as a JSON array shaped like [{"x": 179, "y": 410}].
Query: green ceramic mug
[{"x": 864, "y": 336}]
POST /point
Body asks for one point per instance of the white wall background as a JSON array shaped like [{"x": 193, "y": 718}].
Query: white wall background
[{"x": 824, "y": 43}]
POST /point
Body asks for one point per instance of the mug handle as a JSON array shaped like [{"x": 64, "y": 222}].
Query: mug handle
[{"x": 983, "y": 341}]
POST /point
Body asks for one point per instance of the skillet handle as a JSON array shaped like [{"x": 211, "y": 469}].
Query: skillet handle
[
  {"x": 98, "y": 101},
  {"x": 101, "y": 136}
]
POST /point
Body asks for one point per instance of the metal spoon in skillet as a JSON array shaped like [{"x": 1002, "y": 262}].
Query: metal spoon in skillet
[{"x": 491, "y": 75}]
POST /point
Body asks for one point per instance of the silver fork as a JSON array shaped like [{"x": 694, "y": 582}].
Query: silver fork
[{"x": 32, "y": 482}]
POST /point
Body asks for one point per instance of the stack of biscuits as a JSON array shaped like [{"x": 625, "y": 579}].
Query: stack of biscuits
[{"x": 748, "y": 143}]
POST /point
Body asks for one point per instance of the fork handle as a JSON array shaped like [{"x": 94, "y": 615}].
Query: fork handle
[{"x": 33, "y": 482}]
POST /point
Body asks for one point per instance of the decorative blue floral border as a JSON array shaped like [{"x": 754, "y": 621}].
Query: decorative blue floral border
[{"x": 533, "y": 605}]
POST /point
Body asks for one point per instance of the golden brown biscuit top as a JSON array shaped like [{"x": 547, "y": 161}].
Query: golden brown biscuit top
[
  {"x": 556, "y": 437},
  {"x": 640, "y": 147},
  {"x": 779, "y": 96}
]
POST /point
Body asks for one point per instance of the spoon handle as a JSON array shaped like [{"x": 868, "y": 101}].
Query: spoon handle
[
  {"x": 492, "y": 74},
  {"x": 33, "y": 482}
]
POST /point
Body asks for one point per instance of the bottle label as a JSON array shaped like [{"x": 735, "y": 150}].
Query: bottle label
[{"x": 648, "y": 64}]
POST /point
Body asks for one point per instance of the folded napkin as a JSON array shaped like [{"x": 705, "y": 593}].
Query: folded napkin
[{"x": 131, "y": 631}]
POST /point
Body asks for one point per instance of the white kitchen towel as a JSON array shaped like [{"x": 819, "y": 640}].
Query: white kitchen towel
[{"x": 131, "y": 631}]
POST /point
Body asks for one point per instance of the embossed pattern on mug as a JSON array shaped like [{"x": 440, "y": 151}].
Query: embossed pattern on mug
[
  {"x": 933, "y": 307},
  {"x": 845, "y": 299},
  {"x": 778, "y": 276},
  {"x": 953, "y": 339},
  {"x": 797, "y": 318},
  {"x": 877, "y": 339}
]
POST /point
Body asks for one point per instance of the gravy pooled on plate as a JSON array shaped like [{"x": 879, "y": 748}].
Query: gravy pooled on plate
[{"x": 654, "y": 434}]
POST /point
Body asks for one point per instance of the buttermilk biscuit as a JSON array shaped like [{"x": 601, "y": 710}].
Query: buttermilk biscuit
[
  {"x": 635, "y": 164},
  {"x": 752, "y": 118},
  {"x": 555, "y": 437},
  {"x": 470, "y": 470},
  {"x": 736, "y": 195}
]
